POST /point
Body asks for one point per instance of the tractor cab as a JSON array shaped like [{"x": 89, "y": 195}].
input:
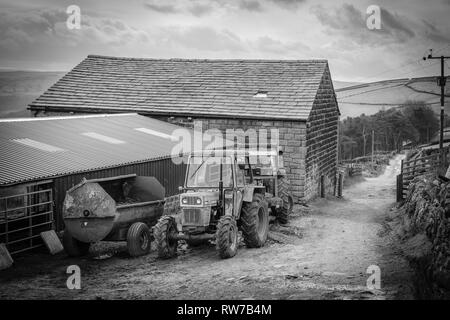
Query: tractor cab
[{"x": 214, "y": 186}]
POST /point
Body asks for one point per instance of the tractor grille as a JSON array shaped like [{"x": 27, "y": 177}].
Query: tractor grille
[
  {"x": 192, "y": 216},
  {"x": 196, "y": 216}
]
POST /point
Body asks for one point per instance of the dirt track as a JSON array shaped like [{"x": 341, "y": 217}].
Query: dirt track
[{"x": 322, "y": 254}]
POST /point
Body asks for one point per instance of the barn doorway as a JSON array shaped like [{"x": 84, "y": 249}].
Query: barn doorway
[{"x": 322, "y": 187}]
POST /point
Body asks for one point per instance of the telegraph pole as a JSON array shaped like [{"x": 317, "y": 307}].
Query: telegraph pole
[
  {"x": 441, "y": 82},
  {"x": 373, "y": 143}
]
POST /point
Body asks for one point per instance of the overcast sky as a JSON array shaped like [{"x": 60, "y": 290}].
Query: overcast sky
[{"x": 34, "y": 35}]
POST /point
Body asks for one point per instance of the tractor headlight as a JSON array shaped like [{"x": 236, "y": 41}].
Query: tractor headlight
[
  {"x": 184, "y": 200},
  {"x": 198, "y": 201}
]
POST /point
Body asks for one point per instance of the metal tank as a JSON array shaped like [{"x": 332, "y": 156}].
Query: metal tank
[{"x": 122, "y": 208}]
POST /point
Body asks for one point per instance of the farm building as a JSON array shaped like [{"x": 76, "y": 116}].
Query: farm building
[
  {"x": 294, "y": 96},
  {"x": 43, "y": 157}
]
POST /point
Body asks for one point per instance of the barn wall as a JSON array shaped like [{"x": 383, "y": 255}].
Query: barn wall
[
  {"x": 168, "y": 173},
  {"x": 292, "y": 139},
  {"x": 322, "y": 141}
]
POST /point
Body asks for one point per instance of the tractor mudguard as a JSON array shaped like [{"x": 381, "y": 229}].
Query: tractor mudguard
[{"x": 281, "y": 172}]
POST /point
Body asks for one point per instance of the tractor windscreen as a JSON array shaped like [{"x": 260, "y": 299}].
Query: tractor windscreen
[{"x": 205, "y": 172}]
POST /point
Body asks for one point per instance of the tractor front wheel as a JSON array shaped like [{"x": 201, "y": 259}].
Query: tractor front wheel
[
  {"x": 164, "y": 232},
  {"x": 255, "y": 221},
  {"x": 138, "y": 239},
  {"x": 227, "y": 237}
]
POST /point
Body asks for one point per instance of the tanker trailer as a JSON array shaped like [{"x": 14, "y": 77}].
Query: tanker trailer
[{"x": 122, "y": 208}]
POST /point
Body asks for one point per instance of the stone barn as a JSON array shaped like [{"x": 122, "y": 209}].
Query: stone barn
[{"x": 294, "y": 96}]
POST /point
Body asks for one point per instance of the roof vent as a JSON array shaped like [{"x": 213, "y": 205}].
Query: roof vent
[{"x": 260, "y": 94}]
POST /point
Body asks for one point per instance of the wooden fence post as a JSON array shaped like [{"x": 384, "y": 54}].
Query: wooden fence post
[{"x": 399, "y": 187}]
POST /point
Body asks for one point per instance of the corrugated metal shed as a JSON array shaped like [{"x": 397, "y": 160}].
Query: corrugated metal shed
[{"x": 39, "y": 148}]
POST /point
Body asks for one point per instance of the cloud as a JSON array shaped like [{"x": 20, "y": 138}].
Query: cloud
[
  {"x": 350, "y": 22},
  {"x": 250, "y": 5},
  {"x": 41, "y": 37},
  {"x": 203, "y": 7},
  {"x": 395, "y": 24},
  {"x": 203, "y": 38},
  {"x": 197, "y": 8},
  {"x": 162, "y": 8},
  {"x": 434, "y": 33},
  {"x": 292, "y": 49},
  {"x": 288, "y": 4}
]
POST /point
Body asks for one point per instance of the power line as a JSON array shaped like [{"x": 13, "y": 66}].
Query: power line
[
  {"x": 387, "y": 87},
  {"x": 391, "y": 69},
  {"x": 420, "y": 68},
  {"x": 372, "y": 90},
  {"x": 402, "y": 66},
  {"x": 442, "y": 49},
  {"x": 384, "y": 103}
]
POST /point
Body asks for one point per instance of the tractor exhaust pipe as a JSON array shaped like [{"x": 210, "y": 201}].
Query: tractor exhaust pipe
[{"x": 221, "y": 202}]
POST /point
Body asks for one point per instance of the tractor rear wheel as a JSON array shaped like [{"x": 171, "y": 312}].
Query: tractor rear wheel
[
  {"x": 227, "y": 237},
  {"x": 164, "y": 232},
  {"x": 254, "y": 221},
  {"x": 138, "y": 239},
  {"x": 74, "y": 247},
  {"x": 288, "y": 202}
]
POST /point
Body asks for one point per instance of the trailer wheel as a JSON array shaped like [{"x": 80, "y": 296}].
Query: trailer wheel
[
  {"x": 255, "y": 221},
  {"x": 164, "y": 232},
  {"x": 74, "y": 247},
  {"x": 138, "y": 239},
  {"x": 288, "y": 202},
  {"x": 227, "y": 237}
]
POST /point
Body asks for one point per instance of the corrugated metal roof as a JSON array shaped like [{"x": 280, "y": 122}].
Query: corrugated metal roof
[
  {"x": 32, "y": 149},
  {"x": 209, "y": 88}
]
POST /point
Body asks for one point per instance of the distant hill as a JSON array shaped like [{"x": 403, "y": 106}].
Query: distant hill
[
  {"x": 344, "y": 84},
  {"x": 369, "y": 98},
  {"x": 19, "y": 88}
]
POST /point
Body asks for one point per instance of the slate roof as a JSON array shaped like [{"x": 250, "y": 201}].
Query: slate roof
[{"x": 215, "y": 88}]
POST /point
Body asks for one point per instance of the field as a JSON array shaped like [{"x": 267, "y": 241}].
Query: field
[
  {"x": 369, "y": 98},
  {"x": 19, "y": 88}
]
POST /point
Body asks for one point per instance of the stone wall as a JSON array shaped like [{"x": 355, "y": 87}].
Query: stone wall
[
  {"x": 322, "y": 141},
  {"x": 426, "y": 223},
  {"x": 292, "y": 139}
]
